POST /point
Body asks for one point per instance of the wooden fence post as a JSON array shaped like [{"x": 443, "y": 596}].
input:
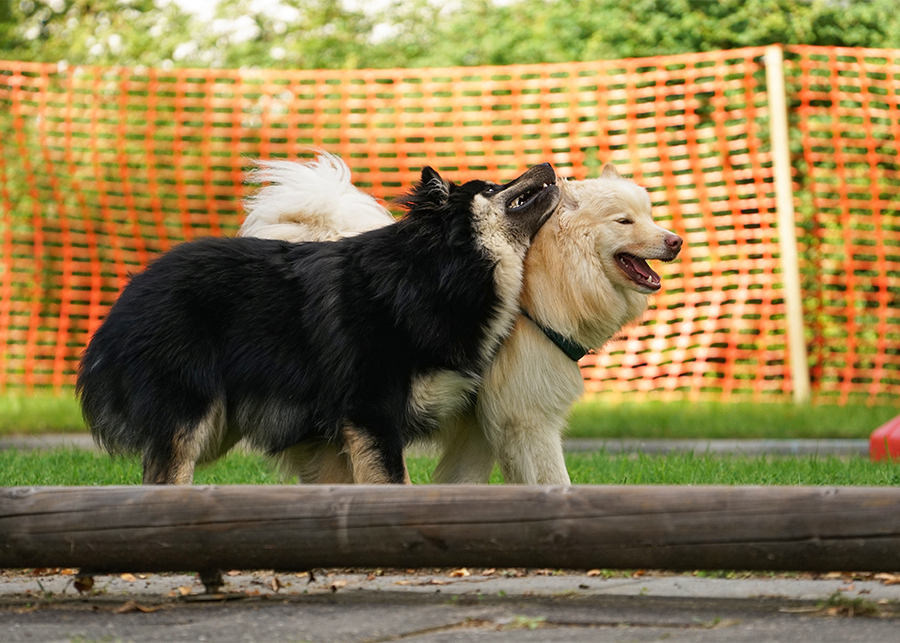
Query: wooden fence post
[{"x": 787, "y": 237}]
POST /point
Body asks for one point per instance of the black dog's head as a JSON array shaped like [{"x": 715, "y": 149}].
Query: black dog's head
[{"x": 519, "y": 207}]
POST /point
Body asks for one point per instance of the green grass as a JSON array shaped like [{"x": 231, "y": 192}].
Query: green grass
[
  {"x": 726, "y": 420},
  {"x": 590, "y": 418},
  {"x": 75, "y": 467},
  {"x": 705, "y": 469},
  {"x": 40, "y": 413}
]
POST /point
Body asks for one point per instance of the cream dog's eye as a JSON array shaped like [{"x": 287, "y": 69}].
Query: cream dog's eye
[{"x": 625, "y": 221}]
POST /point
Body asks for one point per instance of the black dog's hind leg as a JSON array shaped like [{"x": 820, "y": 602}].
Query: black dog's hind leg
[
  {"x": 372, "y": 460},
  {"x": 175, "y": 468},
  {"x": 173, "y": 461}
]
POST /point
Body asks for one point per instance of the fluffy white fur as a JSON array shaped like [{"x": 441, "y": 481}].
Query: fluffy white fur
[
  {"x": 572, "y": 284},
  {"x": 312, "y": 201}
]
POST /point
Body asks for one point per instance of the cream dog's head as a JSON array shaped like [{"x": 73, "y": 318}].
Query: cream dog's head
[
  {"x": 586, "y": 274},
  {"x": 613, "y": 214}
]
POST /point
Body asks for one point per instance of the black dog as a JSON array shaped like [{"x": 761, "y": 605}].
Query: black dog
[{"x": 361, "y": 344}]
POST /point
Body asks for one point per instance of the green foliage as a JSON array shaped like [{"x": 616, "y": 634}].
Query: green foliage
[
  {"x": 103, "y": 32},
  {"x": 306, "y": 34},
  {"x": 315, "y": 34},
  {"x": 303, "y": 33}
]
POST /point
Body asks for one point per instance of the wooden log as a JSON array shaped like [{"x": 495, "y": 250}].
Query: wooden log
[{"x": 147, "y": 528}]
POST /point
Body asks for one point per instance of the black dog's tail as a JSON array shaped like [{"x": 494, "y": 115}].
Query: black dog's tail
[{"x": 99, "y": 389}]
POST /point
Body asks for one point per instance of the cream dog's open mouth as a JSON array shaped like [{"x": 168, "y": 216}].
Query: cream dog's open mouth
[{"x": 637, "y": 269}]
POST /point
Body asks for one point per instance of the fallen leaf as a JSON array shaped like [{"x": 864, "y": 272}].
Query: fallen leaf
[
  {"x": 184, "y": 590},
  {"x": 275, "y": 584},
  {"x": 888, "y": 579},
  {"x": 403, "y": 582},
  {"x": 370, "y": 577},
  {"x": 84, "y": 583},
  {"x": 489, "y": 572},
  {"x": 639, "y": 572},
  {"x": 435, "y": 581},
  {"x": 131, "y": 606},
  {"x": 462, "y": 572},
  {"x": 235, "y": 572},
  {"x": 338, "y": 584},
  {"x": 128, "y": 578},
  {"x": 594, "y": 572},
  {"x": 68, "y": 571}
]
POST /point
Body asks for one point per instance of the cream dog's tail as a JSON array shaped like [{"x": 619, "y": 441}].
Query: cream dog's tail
[{"x": 309, "y": 201}]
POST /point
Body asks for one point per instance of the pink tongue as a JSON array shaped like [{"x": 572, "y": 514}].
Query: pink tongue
[{"x": 640, "y": 266}]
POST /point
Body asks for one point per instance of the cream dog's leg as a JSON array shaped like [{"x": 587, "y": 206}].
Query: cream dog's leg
[
  {"x": 467, "y": 456},
  {"x": 522, "y": 406},
  {"x": 532, "y": 453}
]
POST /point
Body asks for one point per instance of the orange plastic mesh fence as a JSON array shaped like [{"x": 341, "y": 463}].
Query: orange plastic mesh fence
[
  {"x": 847, "y": 105},
  {"x": 692, "y": 129},
  {"x": 102, "y": 168}
]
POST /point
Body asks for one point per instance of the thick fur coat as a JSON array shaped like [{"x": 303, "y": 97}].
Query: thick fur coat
[
  {"x": 353, "y": 347},
  {"x": 586, "y": 277}
]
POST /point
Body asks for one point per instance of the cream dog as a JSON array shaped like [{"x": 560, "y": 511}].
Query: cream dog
[{"x": 586, "y": 277}]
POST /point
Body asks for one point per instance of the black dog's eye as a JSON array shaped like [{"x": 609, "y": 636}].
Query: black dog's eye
[{"x": 491, "y": 189}]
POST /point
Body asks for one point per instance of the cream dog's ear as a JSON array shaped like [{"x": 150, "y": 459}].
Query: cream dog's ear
[{"x": 610, "y": 172}]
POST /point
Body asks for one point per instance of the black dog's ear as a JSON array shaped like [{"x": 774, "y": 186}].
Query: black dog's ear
[
  {"x": 437, "y": 188},
  {"x": 431, "y": 192},
  {"x": 430, "y": 174}
]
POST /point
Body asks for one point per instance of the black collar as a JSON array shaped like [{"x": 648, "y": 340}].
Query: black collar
[{"x": 573, "y": 350}]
